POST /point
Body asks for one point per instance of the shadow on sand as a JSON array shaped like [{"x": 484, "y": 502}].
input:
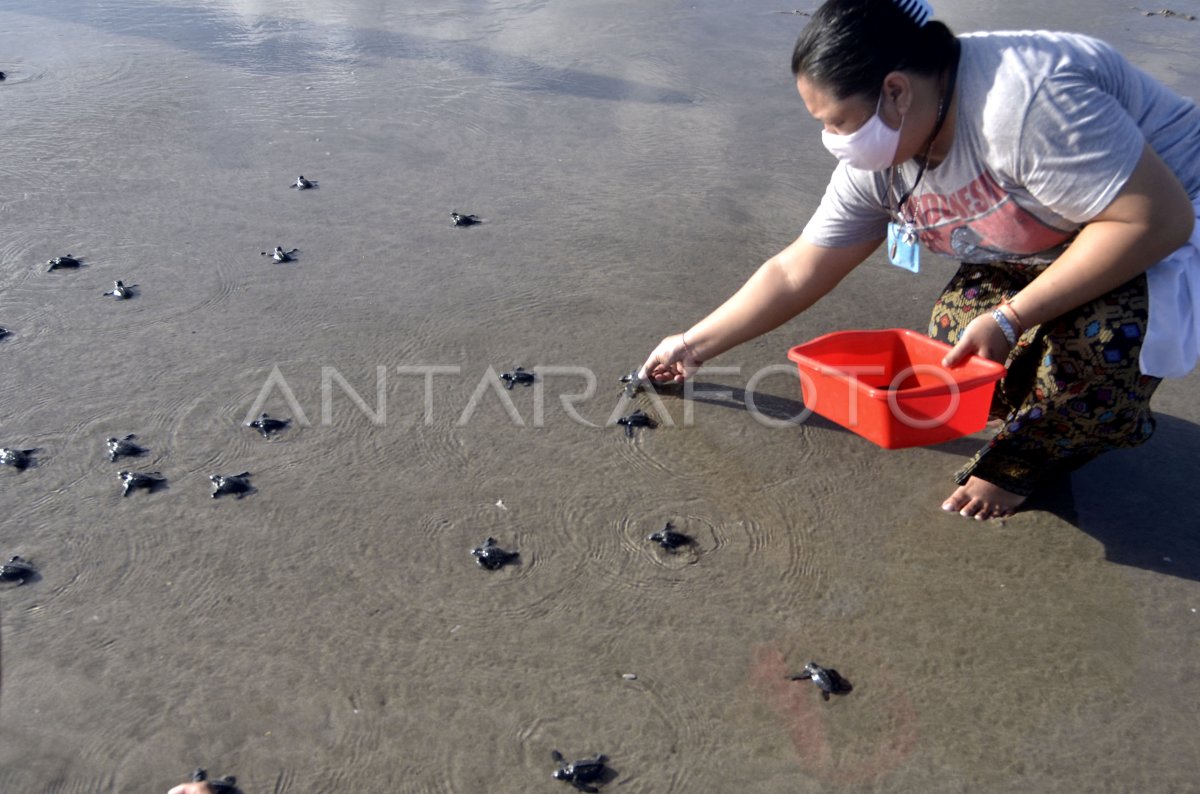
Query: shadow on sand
[
  {"x": 1132, "y": 501},
  {"x": 776, "y": 409},
  {"x": 1138, "y": 502}
]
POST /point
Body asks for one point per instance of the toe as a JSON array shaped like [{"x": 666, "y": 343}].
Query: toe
[
  {"x": 973, "y": 508},
  {"x": 999, "y": 511},
  {"x": 957, "y": 500}
]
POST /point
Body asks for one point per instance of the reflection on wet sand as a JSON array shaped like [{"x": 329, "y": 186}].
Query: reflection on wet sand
[{"x": 261, "y": 42}]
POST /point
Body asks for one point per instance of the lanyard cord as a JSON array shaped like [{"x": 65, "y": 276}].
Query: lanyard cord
[{"x": 943, "y": 110}]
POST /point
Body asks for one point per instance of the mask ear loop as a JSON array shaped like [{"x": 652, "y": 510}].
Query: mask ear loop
[{"x": 943, "y": 110}]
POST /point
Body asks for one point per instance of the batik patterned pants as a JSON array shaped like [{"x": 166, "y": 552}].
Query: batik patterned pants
[{"x": 1073, "y": 388}]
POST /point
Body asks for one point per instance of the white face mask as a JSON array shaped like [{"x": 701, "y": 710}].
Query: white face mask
[{"x": 871, "y": 147}]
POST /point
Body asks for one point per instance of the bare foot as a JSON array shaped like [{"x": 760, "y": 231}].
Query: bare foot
[{"x": 981, "y": 500}]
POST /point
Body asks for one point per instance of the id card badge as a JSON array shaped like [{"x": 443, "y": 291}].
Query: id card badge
[{"x": 904, "y": 250}]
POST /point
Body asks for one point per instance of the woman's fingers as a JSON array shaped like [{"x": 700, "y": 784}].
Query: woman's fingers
[
  {"x": 664, "y": 361},
  {"x": 981, "y": 337},
  {"x": 956, "y": 355},
  {"x": 670, "y": 361}
]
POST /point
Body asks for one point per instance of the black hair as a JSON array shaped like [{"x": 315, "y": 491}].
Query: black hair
[{"x": 849, "y": 46}]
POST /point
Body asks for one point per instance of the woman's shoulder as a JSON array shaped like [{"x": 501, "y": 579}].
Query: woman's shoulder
[
  {"x": 1002, "y": 73},
  {"x": 1021, "y": 61},
  {"x": 1035, "y": 46}
]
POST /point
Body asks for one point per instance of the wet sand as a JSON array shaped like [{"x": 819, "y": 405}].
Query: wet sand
[{"x": 331, "y": 632}]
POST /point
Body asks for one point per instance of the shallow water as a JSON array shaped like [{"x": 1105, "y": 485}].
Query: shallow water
[{"x": 331, "y": 632}]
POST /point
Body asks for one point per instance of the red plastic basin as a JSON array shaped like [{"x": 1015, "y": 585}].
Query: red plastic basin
[{"x": 890, "y": 387}]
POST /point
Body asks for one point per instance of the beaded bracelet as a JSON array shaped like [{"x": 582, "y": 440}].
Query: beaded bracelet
[
  {"x": 1006, "y": 327},
  {"x": 688, "y": 350},
  {"x": 1020, "y": 323}
]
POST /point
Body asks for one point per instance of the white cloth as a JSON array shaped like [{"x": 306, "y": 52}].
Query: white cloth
[{"x": 1172, "y": 344}]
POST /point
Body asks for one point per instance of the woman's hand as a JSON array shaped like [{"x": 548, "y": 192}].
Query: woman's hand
[
  {"x": 672, "y": 361},
  {"x": 982, "y": 337}
]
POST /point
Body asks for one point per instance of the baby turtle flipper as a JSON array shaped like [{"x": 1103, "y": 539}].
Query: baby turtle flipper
[{"x": 67, "y": 261}]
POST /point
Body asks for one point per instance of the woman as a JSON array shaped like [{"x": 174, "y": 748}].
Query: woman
[{"x": 1053, "y": 169}]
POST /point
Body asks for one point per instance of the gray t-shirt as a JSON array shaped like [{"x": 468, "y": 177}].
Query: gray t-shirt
[{"x": 1049, "y": 128}]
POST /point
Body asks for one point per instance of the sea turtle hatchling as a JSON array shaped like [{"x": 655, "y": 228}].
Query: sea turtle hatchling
[
  {"x": 463, "y": 219},
  {"x": 4, "y": 332},
  {"x": 121, "y": 290},
  {"x": 236, "y": 484},
  {"x": 491, "y": 556},
  {"x": 221, "y": 785},
  {"x": 123, "y": 447},
  {"x": 19, "y": 459},
  {"x": 638, "y": 418},
  {"x": 149, "y": 480},
  {"x": 633, "y": 385},
  {"x": 17, "y": 569},
  {"x": 519, "y": 375},
  {"x": 280, "y": 255},
  {"x": 267, "y": 425},
  {"x": 670, "y": 538},
  {"x": 304, "y": 184},
  {"x": 580, "y": 773},
  {"x": 60, "y": 262},
  {"x": 828, "y": 680}
]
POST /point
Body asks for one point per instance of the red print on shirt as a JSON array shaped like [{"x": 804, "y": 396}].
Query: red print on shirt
[{"x": 981, "y": 222}]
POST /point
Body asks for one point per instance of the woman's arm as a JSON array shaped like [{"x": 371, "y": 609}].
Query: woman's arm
[
  {"x": 785, "y": 285},
  {"x": 1150, "y": 217}
]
